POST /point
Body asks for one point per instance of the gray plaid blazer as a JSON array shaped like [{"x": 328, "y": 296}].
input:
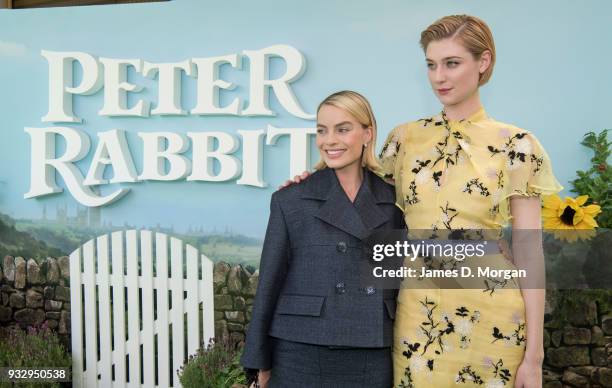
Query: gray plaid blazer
[{"x": 309, "y": 287}]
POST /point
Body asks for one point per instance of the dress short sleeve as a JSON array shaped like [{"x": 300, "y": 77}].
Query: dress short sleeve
[
  {"x": 391, "y": 158},
  {"x": 388, "y": 156},
  {"x": 529, "y": 170}
]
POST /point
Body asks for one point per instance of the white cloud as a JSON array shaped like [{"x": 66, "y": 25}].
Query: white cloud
[{"x": 11, "y": 49}]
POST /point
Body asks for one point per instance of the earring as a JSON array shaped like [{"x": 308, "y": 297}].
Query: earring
[{"x": 365, "y": 145}]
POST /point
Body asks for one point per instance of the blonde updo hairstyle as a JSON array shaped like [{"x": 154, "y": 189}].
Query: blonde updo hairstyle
[
  {"x": 357, "y": 106},
  {"x": 473, "y": 33}
]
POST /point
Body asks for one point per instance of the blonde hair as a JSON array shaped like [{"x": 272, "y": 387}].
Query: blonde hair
[
  {"x": 473, "y": 33},
  {"x": 357, "y": 106}
]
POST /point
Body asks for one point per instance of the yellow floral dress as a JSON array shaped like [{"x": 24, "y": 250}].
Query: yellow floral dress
[{"x": 453, "y": 175}]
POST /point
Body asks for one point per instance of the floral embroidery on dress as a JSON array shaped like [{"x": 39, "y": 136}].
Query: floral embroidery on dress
[
  {"x": 514, "y": 148},
  {"x": 492, "y": 284},
  {"x": 422, "y": 173},
  {"x": 416, "y": 363},
  {"x": 430, "y": 120},
  {"x": 412, "y": 197},
  {"x": 448, "y": 214},
  {"x": 497, "y": 194},
  {"x": 467, "y": 374},
  {"x": 388, "y": 155},
  {"x": 464, "y": 325},
  {"x": 452, "y": 157},
  {"x": 500, "y": 375},
  {"x": 517, "y": 338},
  {"x": 476, "y": 185},
  {"x": 407, "y": 379},
  {"x": 518, "y": 148},
  {"x": 537, "y": 163},
  {"x": 437, "y": 177},
  {"x": 391, "y": 148},
  {"x": 434, "y": 334}
]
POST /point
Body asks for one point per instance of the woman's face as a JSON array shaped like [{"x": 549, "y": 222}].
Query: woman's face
[
  {"x": 453, "y": 71},
  {"x": 340, "y": 137}
]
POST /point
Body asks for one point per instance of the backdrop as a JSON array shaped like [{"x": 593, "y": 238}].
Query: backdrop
[{"x": 552, "y": 77}]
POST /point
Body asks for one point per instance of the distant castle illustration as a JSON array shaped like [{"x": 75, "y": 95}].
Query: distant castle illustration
[
  {"x": 199, "y": 231},
  {"x": 85, "y": 217},
  {"x": 89, "y": 217}
]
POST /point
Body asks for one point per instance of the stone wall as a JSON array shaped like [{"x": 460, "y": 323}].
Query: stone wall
[
  {"x": 234, "y": 289},
  {"x": 579, "y": 352},
  {"x": 34, "y": 293}
]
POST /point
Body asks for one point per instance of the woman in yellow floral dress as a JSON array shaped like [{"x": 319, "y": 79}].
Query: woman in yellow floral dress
[{"x": 460, "y": 170}]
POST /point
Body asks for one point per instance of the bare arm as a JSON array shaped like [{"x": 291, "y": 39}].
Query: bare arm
[{"x": 528, "y": 254}]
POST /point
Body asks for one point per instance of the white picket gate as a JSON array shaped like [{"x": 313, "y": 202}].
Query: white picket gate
[{"x": 125, "y": 283}]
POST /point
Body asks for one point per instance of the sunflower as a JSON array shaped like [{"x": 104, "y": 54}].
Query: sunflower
[{"x": 569, "y": 219}]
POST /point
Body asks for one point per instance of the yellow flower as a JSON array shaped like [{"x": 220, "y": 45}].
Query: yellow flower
[{"x": 570, "y": 219}]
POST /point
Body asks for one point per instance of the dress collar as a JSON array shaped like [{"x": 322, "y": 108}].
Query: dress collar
[{"x": 479, "y": 115}]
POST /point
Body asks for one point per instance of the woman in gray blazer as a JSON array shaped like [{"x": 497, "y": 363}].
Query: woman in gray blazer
[{"x": 314, "y": 322}]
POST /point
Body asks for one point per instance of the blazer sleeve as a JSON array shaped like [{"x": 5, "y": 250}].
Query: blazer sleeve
[{"x": 272, "y": 273}]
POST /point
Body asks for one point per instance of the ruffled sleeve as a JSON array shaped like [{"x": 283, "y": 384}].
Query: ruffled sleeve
[
  {"x": 529, "y": 171},
  {"x": 391, "y": 159},
  {"x": 389, "y": 154}
]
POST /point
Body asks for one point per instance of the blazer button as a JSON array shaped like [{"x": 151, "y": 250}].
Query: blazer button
[
  {"x": 341, "y": 247},
  {"x": 340, "y": 289},
  {"x": 370, "y": 290}
]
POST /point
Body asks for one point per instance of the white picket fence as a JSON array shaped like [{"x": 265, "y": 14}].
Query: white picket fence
[{"x": 127, "y": 331}]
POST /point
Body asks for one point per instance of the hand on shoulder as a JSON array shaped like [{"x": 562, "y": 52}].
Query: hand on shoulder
[{"x": 296, "y": 180}]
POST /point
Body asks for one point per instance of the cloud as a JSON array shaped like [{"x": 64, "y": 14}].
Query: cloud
[{"x": 11, "y": 49}]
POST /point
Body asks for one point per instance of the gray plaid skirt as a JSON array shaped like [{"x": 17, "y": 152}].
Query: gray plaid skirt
[{"x": 296, "y": 365}]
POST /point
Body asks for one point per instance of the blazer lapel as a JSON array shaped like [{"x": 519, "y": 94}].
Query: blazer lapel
[
  {"x": 358, "y": 218},
  {"x": 370, "y": 195},
  {"x": 339, "y": 212}
]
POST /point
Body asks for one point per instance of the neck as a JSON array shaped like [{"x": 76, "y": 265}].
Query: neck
[
  {"x": 463, "y": 109},
  {"x": 350, "y": 178}
]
